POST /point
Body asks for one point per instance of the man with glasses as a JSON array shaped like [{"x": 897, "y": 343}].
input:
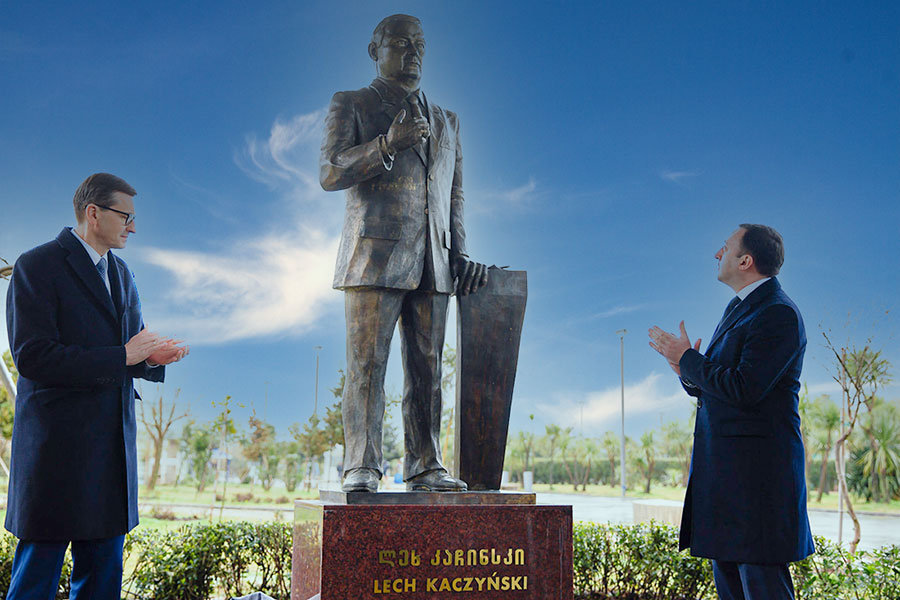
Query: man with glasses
[{"x": 78, "y": 340}]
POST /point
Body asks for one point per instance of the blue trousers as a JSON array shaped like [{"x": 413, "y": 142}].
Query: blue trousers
[
  {"x": 745, "y": 581},
  {"x": 96, "y": 569}
]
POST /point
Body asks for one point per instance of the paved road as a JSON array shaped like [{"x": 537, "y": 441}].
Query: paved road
[{"x": 877, "y": 531}]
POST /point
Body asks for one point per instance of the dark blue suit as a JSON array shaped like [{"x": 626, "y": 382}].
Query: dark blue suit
[
  {"x": 746, "y": 496},
  {"x": 73, "y": 472}
]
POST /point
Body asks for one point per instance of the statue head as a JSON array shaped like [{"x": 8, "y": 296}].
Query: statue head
[{"x": 397, "y": 47}]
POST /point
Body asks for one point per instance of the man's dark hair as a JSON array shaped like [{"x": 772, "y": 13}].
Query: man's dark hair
[
  {"x": 98, "y": 189},
  {"x": 378, "y": 34},
  {"x": 766, "y": 247}
]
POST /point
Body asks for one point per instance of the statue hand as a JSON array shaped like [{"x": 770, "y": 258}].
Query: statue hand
[
  {"x": 469, "y": 275},
  {"x": 405, "y": 133}
]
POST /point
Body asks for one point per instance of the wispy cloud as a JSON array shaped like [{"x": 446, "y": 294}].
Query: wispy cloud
[
  {"x": 601, "y": 408},
  {"x": 277, "y": 283},
  {"x": 517, "y": 198},
  {"x": 678, "y": 177},
  {"x": 622, "y": 309},
  {"x": 287, "y": 154}
]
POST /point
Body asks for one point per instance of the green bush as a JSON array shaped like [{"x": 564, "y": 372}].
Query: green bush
[
  {"x": 832, "y": 573},
  {"x": 625, "y": 562},
  {"x": 636, "y": 562},
  {"x": 197, "y": 562},
  {"x": 642, "y": 562}
]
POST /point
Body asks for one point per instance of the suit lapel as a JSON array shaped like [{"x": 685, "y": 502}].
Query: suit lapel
[
  {"x": 81, "y": 263},
  {"x": 436, "y": 119},
  {"x": 755, "y": 297},
  {"x": 116, "y": 287}
]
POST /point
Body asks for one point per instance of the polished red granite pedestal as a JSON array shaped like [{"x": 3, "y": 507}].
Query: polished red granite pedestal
[{"x": 429, "y": 545}]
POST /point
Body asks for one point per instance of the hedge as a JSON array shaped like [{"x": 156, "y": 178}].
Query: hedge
[{"x": 625, "y": 562}]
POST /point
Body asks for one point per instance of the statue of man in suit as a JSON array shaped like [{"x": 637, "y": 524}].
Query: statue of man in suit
[{"x": 398, "y": 157}]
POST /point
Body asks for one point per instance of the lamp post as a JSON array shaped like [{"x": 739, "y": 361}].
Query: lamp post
[
  {"x": 621, "y": 333},
  {"x": 316, "y": 395}
]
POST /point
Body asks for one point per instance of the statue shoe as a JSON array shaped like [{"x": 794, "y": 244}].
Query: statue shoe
[
  {"x": 361, "y": 480},
  {"x": 437, "y": 480}
]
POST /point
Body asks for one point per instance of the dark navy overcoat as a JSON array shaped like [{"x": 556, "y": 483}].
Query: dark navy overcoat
[
  {"x": 73, "y": 471},
  {"x": 746, "y": 495}
]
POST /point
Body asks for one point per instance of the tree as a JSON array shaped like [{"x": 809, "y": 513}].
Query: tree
[
  {"x": 224, "y": 426},
  {"x": 6, "y": 270},
  {"x": 551, "y": 437},
  {"x": 313, "y": 443},
  {"x": 582, "y": 452},
  {"x": 677, "y": 442},
  {"x": 825, "y": 419},
  {"x": 158, "y": 428},
  {"x": 334, "y": 419},
  {"x": 611, "y": 446},
  {"x": 880, "y": 461},
  {"x": 198, "y": 442},
  {"x": 7, "y": 404},
  {"x": 290, "y": 451},
  {"x": 256, "y": 449},
  {"x": 645, "y": 459},
  {"x": 860, "y": 372}
]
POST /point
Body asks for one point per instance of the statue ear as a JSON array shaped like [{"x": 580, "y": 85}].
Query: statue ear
[{"x": 373, "y": 51}]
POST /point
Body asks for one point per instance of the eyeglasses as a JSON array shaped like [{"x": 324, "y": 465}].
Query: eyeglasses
[{"x": 129, "y": 217}]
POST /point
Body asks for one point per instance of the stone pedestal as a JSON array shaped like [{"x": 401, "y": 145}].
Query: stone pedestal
[
  {"x": 664, "y": 511},
  {"x": 425, "y": 545}
]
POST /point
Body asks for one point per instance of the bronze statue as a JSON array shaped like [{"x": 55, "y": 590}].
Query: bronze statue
[{"x": 403, "y": 245}]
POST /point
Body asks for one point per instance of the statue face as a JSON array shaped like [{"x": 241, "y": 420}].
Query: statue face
[{"x": 399, "y": 55}]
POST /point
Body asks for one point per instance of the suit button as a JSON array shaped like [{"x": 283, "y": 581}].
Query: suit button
[
  {"x": 426, "y": 210},
  {"x": 699, "y": 403},
  {"x": 431, "y": 177}
]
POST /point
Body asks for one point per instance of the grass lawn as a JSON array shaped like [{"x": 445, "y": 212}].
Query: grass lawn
[{"x": 235, "y": 494}]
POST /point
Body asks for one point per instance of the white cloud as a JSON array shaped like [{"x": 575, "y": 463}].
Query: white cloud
[
  {"x": 516, "y": 198},
  {"x": 288, "y": 159},
  {"x": 602, "y": 408},
  {"x": 618, "y": 310},
  {"x": 277, "y": 283},
  {"x": 274, "y": 285},
  {"x": 678, "y": 176}
]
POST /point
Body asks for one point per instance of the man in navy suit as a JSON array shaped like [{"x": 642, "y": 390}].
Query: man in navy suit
[
  {"x": 78, "y": 340},
  {"x": 745, "y": 505}
]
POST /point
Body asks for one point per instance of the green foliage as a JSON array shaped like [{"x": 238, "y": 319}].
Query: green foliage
[
  {"x": 8, "y": 545},
  {"x": 833, "y": 573},
  {"x": 7, "y": 406},
  {"x": 641, "y": 562},
  {"x": 198, "y": 562}
]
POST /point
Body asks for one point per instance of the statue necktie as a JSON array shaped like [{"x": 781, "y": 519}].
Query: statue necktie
[{"x": 415, "y": 108}]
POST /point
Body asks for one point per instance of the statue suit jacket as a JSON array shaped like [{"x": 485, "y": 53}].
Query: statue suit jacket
[
  {"x": 391, "y": 208},
  {"x": 746, "y": 495},
  {"x": 73, "y": 472}
]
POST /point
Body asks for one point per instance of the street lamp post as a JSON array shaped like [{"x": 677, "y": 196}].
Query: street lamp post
[
  {"x": 621, "y": 333},
  {"x": 316, "y": 414},
  {"x": 316, "y": 396}
]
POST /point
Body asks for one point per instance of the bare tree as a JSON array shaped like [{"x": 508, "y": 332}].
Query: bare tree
[
  {"x": 158, "y": 427},
  {"x": 859, "y": 372}
]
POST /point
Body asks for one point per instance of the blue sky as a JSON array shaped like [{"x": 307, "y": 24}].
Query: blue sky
[{"x": 609, "y": 148}]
